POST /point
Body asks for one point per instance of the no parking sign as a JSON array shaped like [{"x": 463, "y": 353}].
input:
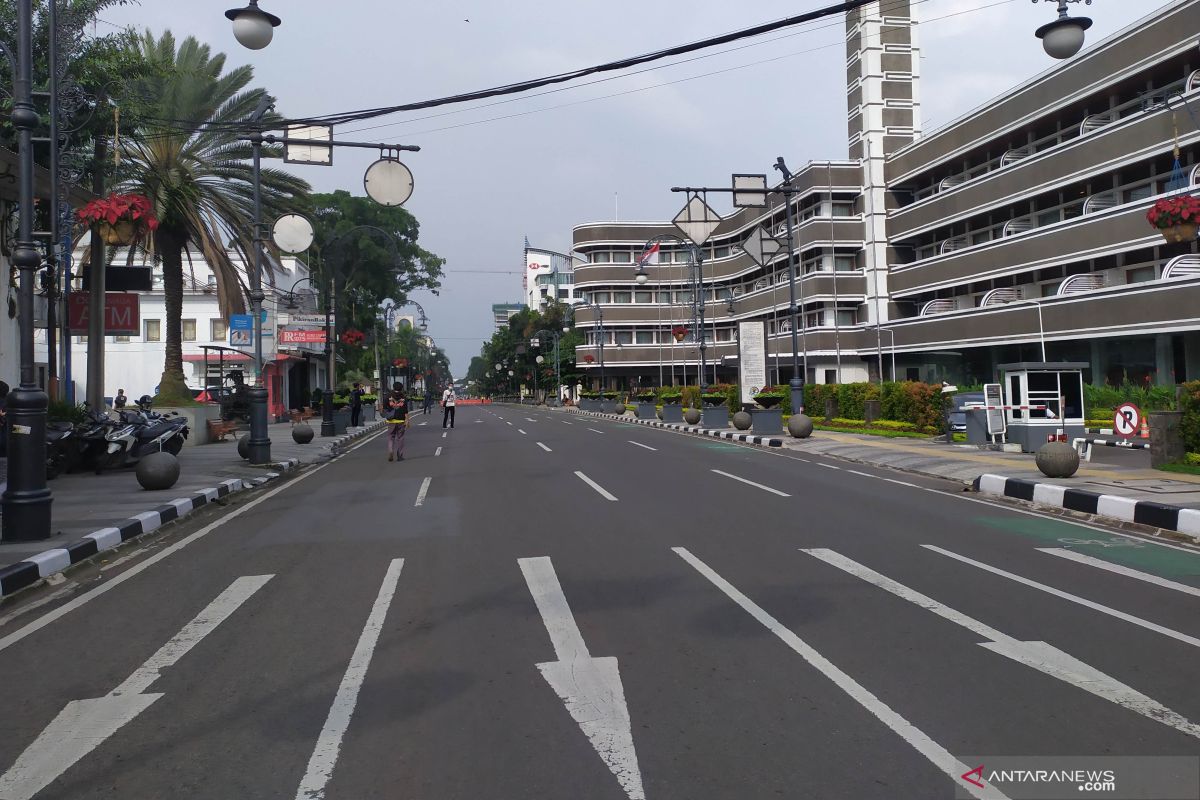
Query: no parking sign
[{"x": 1127, "y": 420}]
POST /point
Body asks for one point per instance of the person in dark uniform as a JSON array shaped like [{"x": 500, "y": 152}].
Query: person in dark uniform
[{"x": 356, "y": 403}]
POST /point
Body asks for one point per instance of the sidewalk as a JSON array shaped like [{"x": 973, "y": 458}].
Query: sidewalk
[{"x": 84, "y": 503}]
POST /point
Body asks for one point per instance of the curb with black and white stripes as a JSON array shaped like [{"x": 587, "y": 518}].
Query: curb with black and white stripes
[
  {"x": 1126, "y": 509},
  {"x": 747, "y": 438},
  {"x": 33, "y": 569}
]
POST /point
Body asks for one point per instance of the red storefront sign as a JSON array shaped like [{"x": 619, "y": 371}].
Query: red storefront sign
[
  {"x": 122, "y": 313},
  {"x": 301, "y": 336}
]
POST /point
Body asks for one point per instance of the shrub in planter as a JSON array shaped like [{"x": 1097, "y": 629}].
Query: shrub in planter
[
  {"x": 589, "y": 395},
  {"x": 671, "y": 397},
  {"x": 770, "y": 396},
  {"x": 609, "y": 394},
  {"x": 647, "y": 396},
  {"x": 714, "y": 398},
  {"x": 1189, "y": 425}
]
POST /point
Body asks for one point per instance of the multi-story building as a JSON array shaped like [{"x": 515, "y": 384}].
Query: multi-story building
[
  {"x": 503, "y": 312},
  {"x": 1016, "y": 232},
  {"x": 549, "y": 278}
]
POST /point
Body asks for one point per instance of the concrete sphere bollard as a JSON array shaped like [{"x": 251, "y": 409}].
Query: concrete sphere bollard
[
  {"x": 692, "y": 416},
  {"x": 157, "y": 471},
  {"x": 742, "y": 420},
  {"x": 1057, "y": 460},
  {"x": 302, "y": 433},
  {"x": 244, "y": 445},
  {"x": 800, "y": 426}
]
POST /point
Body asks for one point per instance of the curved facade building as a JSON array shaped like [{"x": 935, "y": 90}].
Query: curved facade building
[{"x": 1018, "y": 228}]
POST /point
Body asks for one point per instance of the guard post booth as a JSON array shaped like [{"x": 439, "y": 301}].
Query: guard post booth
[{"x": 1043, "y": 400}]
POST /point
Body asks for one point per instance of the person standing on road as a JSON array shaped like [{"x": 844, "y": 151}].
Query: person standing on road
[
  {"x": 448, "y": 401},
  {"x": 397, "y": 422},
  {"x": 356, "y": 396},
  {"x": 428, "y": 400}
]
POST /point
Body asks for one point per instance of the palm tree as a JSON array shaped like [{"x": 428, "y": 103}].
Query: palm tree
[{"x": 185, "y": 155}]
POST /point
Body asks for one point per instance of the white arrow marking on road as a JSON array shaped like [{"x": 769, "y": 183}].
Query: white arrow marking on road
[
  {"x": 939, "y": 756},
  {"x": 547, "y": 449},
  {"x": 83, "y": 725},
  {"x": 1103, "y": 609},
  {"x": 590, "y": 687},
  {"x": 1120, "y": 570},
  {"x": 1039, "y": 655},
  {"x": 329, "y": 743},
  {"x": 422, "y": 492}
]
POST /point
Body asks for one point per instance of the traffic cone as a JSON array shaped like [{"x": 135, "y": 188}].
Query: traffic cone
[{"x": 1144, "y": 433}]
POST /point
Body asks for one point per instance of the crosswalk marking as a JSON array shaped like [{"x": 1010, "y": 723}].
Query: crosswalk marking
[
  {"x": 1120, "y": 570},
  {"x": 329, "y": 744},
  {"x": 1103, "y": 609},
  {"x": 1038, "y": 655},
  {"x": 937, "y": 755}
]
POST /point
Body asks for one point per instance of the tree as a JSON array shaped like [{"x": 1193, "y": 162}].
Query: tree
[
  {"x": 512, "y": 344},
  {"x": 188, "y": 160}
]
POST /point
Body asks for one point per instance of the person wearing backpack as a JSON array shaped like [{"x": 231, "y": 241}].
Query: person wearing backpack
[
  {"x": 397, "y": 422},
  {"x": 448, "y": 401}
]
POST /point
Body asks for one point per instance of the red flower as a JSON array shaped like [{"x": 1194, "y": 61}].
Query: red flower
[
  {"x": 1173, "y": 211},
  {"x": 589, "y": 358},
  {"x": 117, "y": 207}
]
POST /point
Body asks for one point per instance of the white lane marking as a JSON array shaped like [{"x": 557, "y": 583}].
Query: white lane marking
[
  {"x": 422, "y": 492},
  {"x": 66, "y": 608},
  {"x": 864, "y": 474},
  {"x": 752, "y": 483},
  {"x": 83, "y": 725},
  {"x": 827, "y": 466},
  {"x": 423, "y": 423},
  {"x": 547, "y": 449},
  {"x": 590, "y": 687},
  {"x": 1103, "y": 609},
  {"x": 329, "y": 744},
  {"x": 594, "y": 485},
  {"x": 903, "y": 483},
  {"x": 445, "y": 434},
  {"x": 506, "y": 422},
  {"x": 437, "y": 452},
  {"x": 530, "y": 419},
  {"x": 1120, "y": 570},
  {"x": 523, "y": 433},
  {"x": 1039, "y": 655},
  {"x": 639, "y": 444},
  {"x": 593, "y": 430},
  {"x": 564, "y": 422},
  {"x": 937, "y": 755}
]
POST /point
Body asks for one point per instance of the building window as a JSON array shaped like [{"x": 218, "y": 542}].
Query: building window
[
  {"x": 624, "y": 337},
  {"x": 643, "y": 297},
  {"x": 843, "y": 209},
  {"x": 120, "y": 338},
  {"x": 220, "y": 331},
  {"x": 622, "y": 258},
  {"x": 189, "y": 330},
  {"x": 601, "y": 258},
  {"x": 1140, "y": 275},
  {"x": 644, "y": 337},
  {"x": 152, "y": 330},
  {"x": 723, "y": 335},
  {"x": 622, "y": 298},
  {"x": 81, "y": 340}
]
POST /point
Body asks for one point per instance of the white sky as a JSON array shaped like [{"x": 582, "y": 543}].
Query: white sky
[{"x": 481, "y": 188}]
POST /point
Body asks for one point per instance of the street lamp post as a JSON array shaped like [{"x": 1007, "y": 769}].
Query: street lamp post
[
  {"x": 1063, "y": 37},
  {"x": 695, "y": 261},
  {"x": 26, "y": 499},
  {"x": 555, "y": 336}
]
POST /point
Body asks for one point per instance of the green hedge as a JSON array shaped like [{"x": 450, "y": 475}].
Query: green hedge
[{"x": 1189, "y": 426}]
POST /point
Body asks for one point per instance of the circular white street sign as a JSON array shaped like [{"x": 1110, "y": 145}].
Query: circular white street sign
[
  {"x": 388, "y": 182},
  {"x": 1127, "y": 420},
  {"x": 292, "y": 233}
]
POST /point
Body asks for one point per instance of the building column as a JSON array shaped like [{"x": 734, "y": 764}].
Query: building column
[
  {"x": 1164, "y": 360},
  {"x": 1097, "y": 361},
  {"x": 1191, "y": 355}
]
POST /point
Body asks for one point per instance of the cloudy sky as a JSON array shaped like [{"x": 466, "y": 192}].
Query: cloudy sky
[{"x": 491, "y": 173}]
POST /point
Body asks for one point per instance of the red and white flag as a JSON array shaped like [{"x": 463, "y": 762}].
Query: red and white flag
[{"x": 649, "y": 255}]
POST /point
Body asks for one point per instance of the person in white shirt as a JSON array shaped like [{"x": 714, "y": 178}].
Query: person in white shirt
[{"x": 448, "y": 401}]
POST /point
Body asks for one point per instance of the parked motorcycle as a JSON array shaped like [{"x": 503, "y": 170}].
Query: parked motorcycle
[{"x": 139, "y": 432}]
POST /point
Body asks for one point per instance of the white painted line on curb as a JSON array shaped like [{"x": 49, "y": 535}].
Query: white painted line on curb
[
  {"x": 329, "y": 744},
  {"x": 752, "y": 483},
  {"x": 639, "y": 444},
  {"x": 594, "y": 485},
  {"x": 437, "y": 452},
  {"x": 1120, "y": 570},
  {"x": 917, "y": 739},
  {"x": 590, "y": 687},
  {"x": 1103, "y": 609},
  {"x": 547, "y": 449},
  {"x": 1038, "y": 655},
  {"x": 423, "y": 491},
  {"x": 83, "y": 725}
]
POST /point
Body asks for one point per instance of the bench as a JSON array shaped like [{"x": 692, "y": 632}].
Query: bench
[
  {"x": 218, "y": 429},
  {"x": 302, "y": 414}
]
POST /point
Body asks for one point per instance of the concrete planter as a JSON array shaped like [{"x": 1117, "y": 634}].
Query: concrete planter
[
  {"x": 672, "y": 412},
  {"x": 589, "y": 404},
  {"x": 715, "y": 417},
  {"x": 197, "y": 417},
  {"x": 767, "y": 421},
  {"x": 368, "y": 413},
  {"x": 647, "y": 410},
  {"x": 341, "y": 421}
]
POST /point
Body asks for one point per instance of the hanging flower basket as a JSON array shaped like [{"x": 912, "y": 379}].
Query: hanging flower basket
[
  {"x": 353, "y": 337},
  {"x": 589, "y": 359},
  {"x": 122, "y": 218},
  {"x": 679, "y": 332},
  {"x": 1176, "y": 218}
]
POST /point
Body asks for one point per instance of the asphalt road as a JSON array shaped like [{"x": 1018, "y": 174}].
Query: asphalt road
[{"x": 539, "y": 604}]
